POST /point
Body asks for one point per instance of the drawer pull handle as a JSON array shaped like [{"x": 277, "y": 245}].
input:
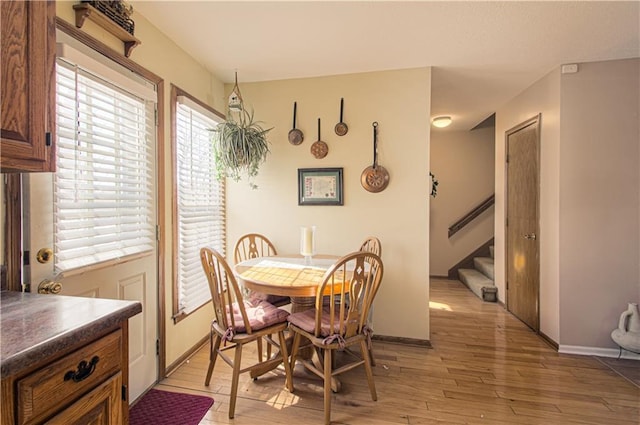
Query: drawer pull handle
[{"x": 84, "y": 370}]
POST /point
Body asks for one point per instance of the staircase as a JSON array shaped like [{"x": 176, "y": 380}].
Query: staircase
[{"x": 480, "y": 278}]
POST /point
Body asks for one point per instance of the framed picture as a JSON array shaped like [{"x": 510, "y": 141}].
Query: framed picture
[{"x": 320, "y": 186}]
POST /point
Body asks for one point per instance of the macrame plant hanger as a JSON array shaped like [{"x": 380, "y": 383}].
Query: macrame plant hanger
[{"x": 235, "y": 98}]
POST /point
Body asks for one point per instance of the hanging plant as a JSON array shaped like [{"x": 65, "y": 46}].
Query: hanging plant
[
  {"x": 240, "y": 144},
  {"x": 434, "y": 184}
]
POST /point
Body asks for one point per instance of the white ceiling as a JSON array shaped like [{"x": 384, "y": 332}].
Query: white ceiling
[{"x": 483, "y": 53}]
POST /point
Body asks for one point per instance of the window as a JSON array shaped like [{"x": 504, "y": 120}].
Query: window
[
  {"x": 103, "y": 187},
  {"x": 199, "y": 204}
]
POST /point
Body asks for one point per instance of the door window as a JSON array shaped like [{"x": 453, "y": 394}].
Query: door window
[{"x": 103, "y": 205}]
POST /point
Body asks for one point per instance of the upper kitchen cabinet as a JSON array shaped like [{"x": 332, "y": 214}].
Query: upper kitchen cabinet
[{"x": 27, "y": 34}]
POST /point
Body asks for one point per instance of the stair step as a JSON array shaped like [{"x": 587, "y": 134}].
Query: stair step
[
  {"x": 481, "y": 285},
  {"x": 491, "y": 251},
  {"x": 485, "y": 266}
]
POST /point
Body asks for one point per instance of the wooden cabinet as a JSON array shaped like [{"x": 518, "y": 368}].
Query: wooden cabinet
[
  {"x": 27, "y": 69},
  {"x": 41, "y": 393},
  {"x": 64, "y": 360},
  {"x": 84, "y": 386}
]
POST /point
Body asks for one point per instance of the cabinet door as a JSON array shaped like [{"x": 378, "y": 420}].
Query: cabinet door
[
  {"x": 102, "y": 406},
  {"x": 27, "y": 33}
]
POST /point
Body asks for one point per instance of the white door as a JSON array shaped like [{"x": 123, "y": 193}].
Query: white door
[
  {"x": 129, "y": 276},
  {"x": 135, "y": 280}
]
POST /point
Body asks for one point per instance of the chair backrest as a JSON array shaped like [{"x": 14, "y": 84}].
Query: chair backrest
[
  {"x": 350, "y": 285},
  {"x": 372, "y": 244},
  {"x": 228, "y": 304},
  {"x": 253, "y": 245}
]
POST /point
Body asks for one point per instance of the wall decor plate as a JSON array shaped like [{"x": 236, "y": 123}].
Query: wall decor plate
[
  {"x": 319, "y": 149},
  {"x": 295, "y": 135},
  {"x": 375, "y": 178}
]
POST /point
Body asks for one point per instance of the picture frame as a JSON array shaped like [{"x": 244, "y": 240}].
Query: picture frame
[{"x": 320, "y": 186}]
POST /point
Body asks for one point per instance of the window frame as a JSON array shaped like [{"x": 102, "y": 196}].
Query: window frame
[{"x": 176, "y": 91}]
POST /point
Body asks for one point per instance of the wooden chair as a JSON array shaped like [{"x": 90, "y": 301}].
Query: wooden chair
[
  {"x": 254, "y": 245},
  {"x": 372, "y": 244},
  {"x": 341, "y": 323},
  {"x": 238, "y": 323}
]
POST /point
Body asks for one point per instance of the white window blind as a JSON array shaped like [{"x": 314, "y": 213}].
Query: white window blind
[
  {"x": 200, "y": 202},
  {"x": 103, "y": 201}
]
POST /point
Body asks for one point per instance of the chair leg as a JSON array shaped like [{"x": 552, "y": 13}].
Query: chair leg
[
  {"x": 269, "y": 349},
  {"x": 260, "y": 350},
  {"x": 295, "y": 345},
  {"x": 371, "y": 357},
  {"x": 367, "y": 368},
  {"x": 237, "y": 358},
  {"x": 213, "y": 355},
  {"x": 327, "y": 386},
  {"x": 285, "y": 360}
]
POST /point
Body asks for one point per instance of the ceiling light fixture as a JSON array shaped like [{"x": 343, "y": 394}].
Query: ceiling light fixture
[{"x": 441, "y": 122}]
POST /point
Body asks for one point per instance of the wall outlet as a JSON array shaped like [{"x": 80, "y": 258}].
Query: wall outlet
[{"x": 570, "y": 68}]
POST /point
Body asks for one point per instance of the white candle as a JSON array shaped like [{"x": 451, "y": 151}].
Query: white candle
[{"x": 306, "y": 244}]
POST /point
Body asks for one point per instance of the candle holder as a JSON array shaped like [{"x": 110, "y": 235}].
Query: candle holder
[{"x": 307, "y": 243}]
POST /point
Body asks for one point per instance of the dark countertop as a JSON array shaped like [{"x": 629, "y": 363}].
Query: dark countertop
[{"x": 34, "y": 326}]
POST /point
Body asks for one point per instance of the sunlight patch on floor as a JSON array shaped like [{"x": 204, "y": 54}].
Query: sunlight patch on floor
[
  {"x": 283, "y": 399},
  {"x": 439, "y": 306}
]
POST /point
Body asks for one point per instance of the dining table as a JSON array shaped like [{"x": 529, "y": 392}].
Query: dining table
[{"x": 289, "y": 275}]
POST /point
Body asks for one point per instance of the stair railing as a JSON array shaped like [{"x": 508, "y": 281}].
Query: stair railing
[{"x": 471, "y": 215}]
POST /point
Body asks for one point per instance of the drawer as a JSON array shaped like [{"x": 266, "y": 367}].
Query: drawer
[{"x": 56, "y": 385}]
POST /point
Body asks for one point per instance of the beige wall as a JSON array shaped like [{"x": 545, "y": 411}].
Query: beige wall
[
  {"x": 162, "y": 56},
  {"x": 400, "y": 102},
  {"x": 463, "y": 163},
  {"x": 599, "y": 202},
  {"x": 589, "y": 199},
  {"x": 542, "y": 97}
]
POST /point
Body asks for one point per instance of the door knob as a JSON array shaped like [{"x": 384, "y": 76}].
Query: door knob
[
  {"x": 49, "y": 287},
  {"x": 530, "y": 236},
  {"x": 44, "y": 255}
]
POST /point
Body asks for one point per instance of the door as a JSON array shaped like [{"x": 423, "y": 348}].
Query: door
[
  {"x": 100, "y": 241},
  {"x": 134, "y": 280},
  {"x": 523, "y": 263}
]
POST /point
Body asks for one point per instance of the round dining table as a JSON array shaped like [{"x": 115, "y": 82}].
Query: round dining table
[{"x": 293, "y": 276}]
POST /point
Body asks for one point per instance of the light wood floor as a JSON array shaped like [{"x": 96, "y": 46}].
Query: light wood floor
[{"x": 485, "y": 367}]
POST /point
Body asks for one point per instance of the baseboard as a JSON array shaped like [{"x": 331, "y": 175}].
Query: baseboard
[
  {"x": 597, "y": 351},
  {"x": 400, "y": 340},
  {"x": 549, "y": 341},
  {"x": 183, "y": 358},
  {"x": 433, "y": 276}
]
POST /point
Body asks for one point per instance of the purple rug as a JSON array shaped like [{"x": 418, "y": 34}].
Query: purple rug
[{"x": 166, "y": 408}]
